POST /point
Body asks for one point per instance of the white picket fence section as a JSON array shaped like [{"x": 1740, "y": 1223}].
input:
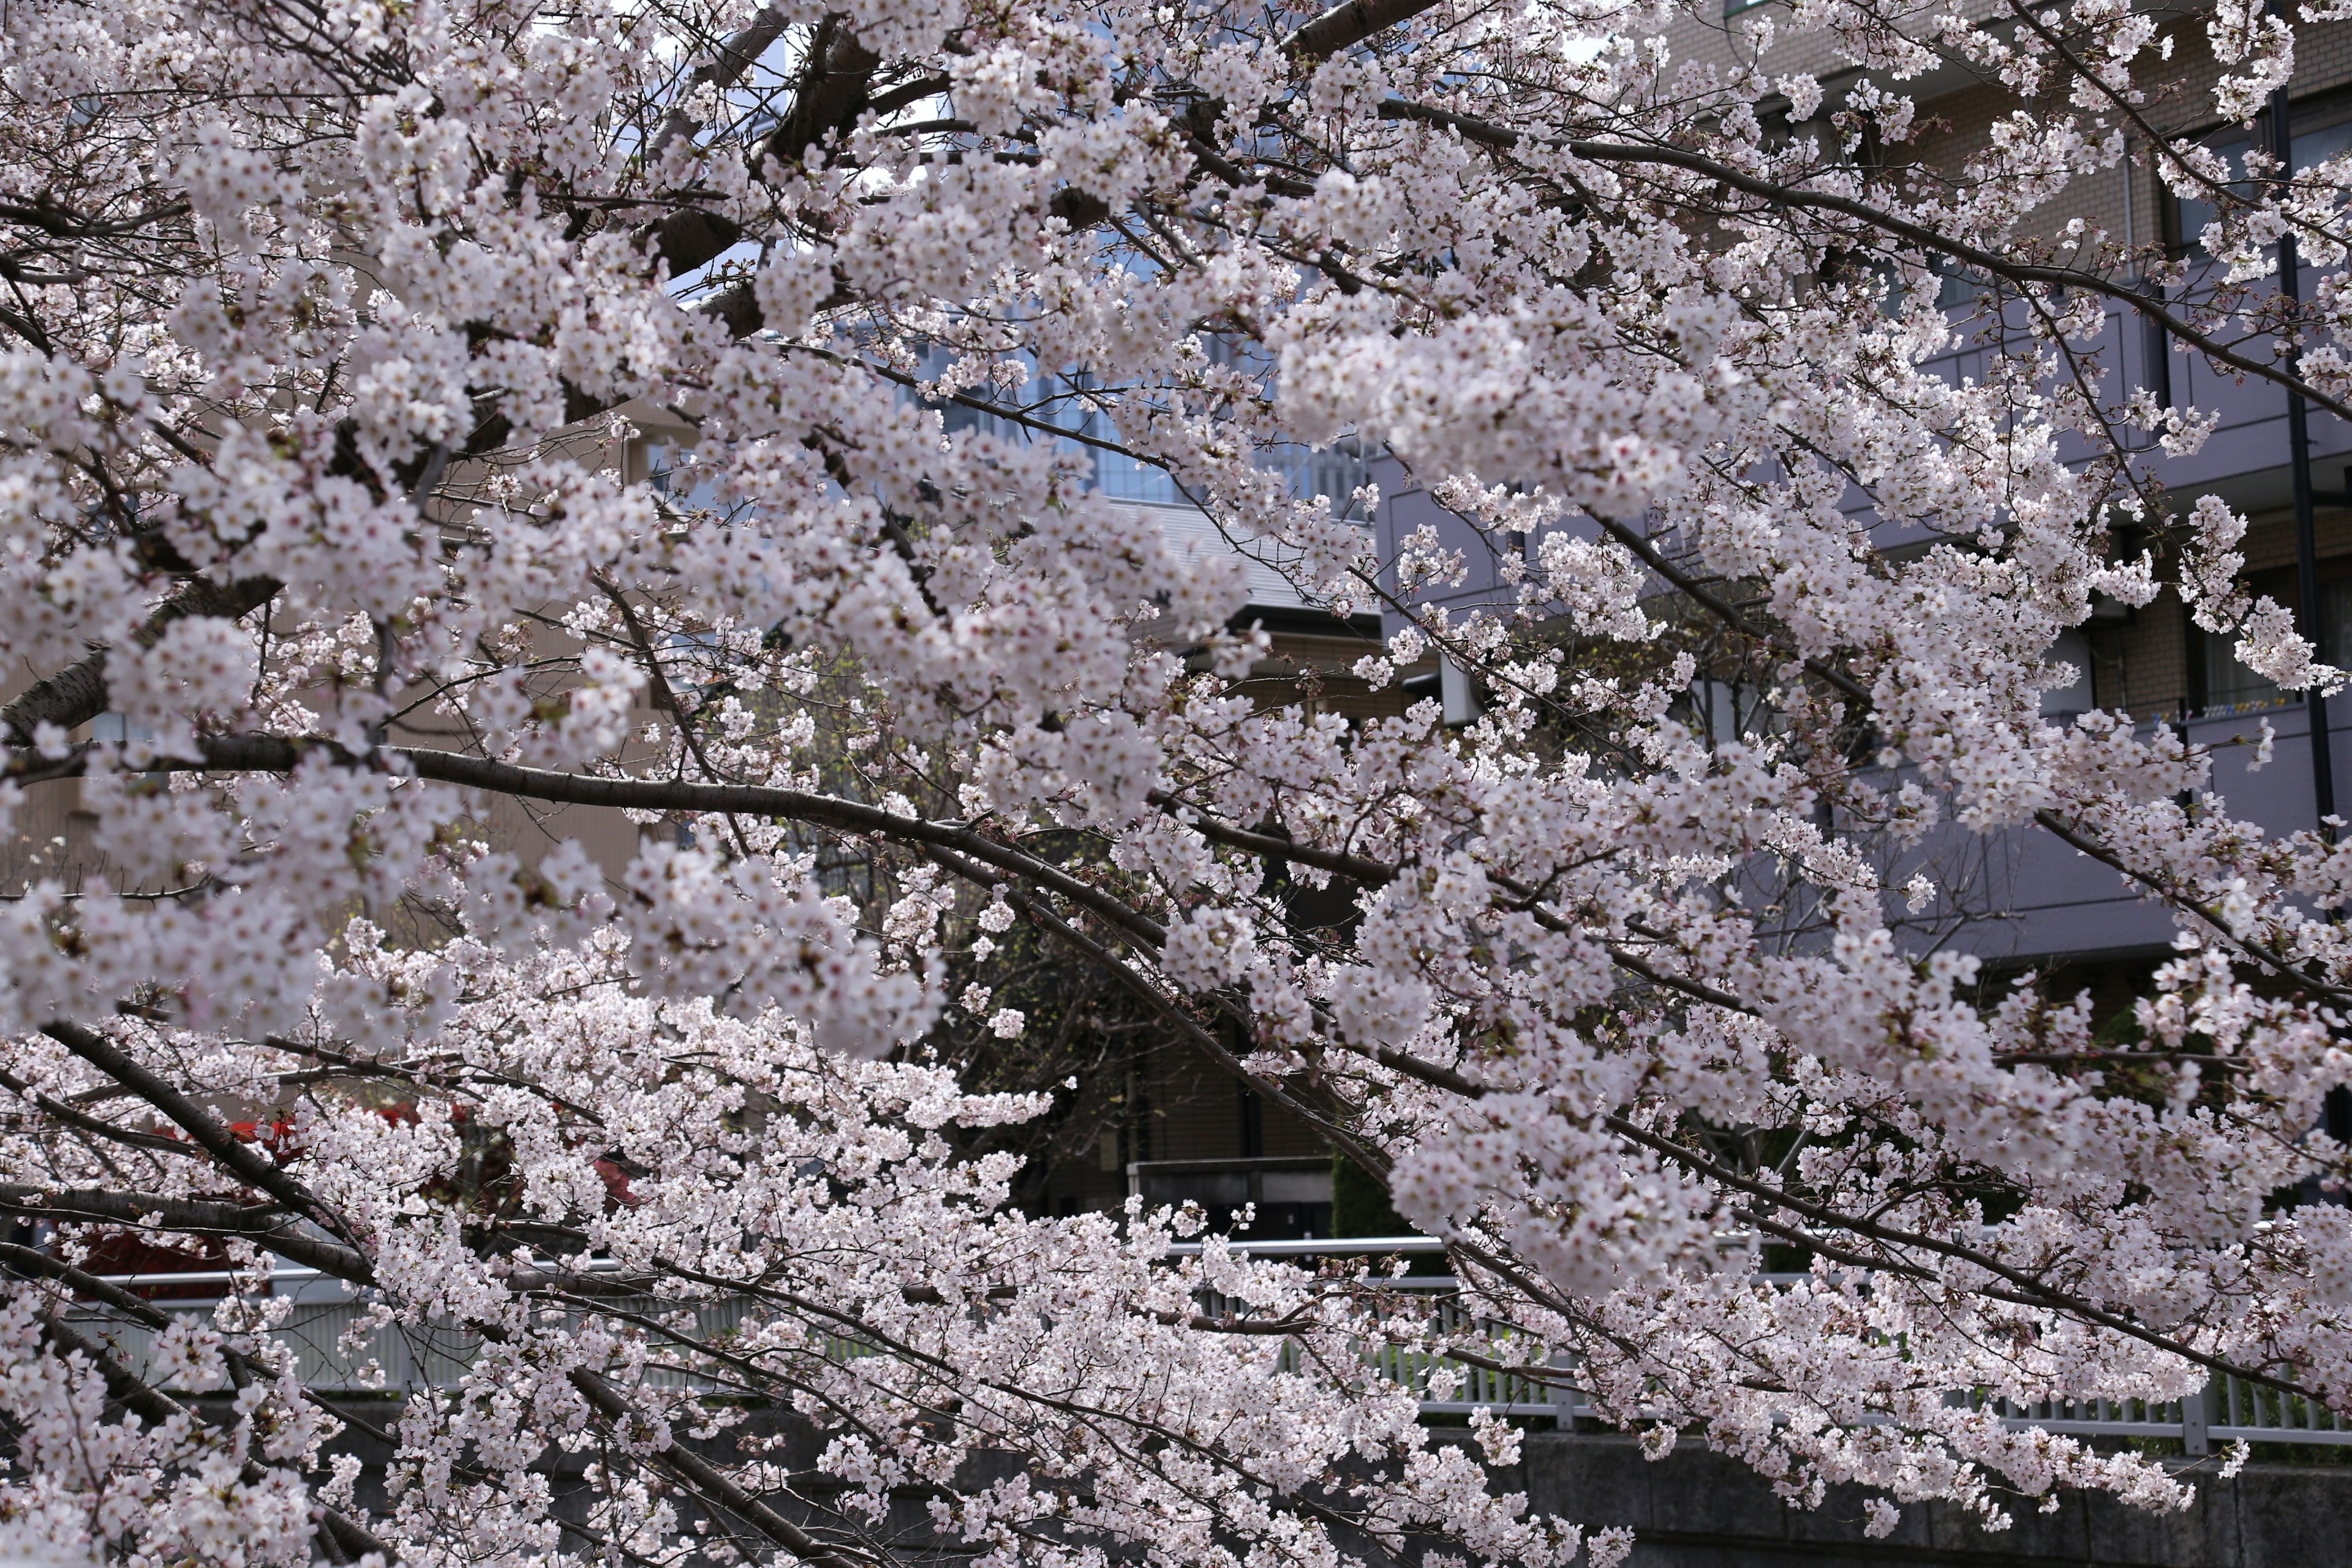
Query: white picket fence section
[{"x": 403, "y": 1358}]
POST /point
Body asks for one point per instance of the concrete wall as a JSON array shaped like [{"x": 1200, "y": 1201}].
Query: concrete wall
[{"x": 1695, "y": 1509}]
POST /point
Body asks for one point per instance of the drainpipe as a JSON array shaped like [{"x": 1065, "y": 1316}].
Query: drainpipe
[
  {"x": 2336, "y": 1116},
  {"x": 2298, "y": 441}
]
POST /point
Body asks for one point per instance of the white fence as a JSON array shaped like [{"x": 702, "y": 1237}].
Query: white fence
[{"x": 402, "y": 1358}]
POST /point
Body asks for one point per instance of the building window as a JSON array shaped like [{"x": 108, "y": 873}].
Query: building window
[
  {"x": 2323, "y": 129},
  {"x": 1123, "y": 477},
  {"x": 2230, "y": 687},
  {"x": 1957, "y": 289},
  {"x": 116, "y": 729},
  {"x": 2064, "y": 702},
  {"x": 673, "y": 471},
  {"x": 1335, "y": 472}
]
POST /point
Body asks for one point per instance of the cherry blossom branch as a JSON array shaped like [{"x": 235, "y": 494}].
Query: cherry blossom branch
[
  {"x": 1785, "y": 196},
  {"x": 158, "y": 1408},
  {"x": 78, "y": 693},
  {"x": 249, "y": 752},
  {"x": 350, "y": 1534},
  {"x": 712, "y": 1483},
  {"x": 1346, "y": 25},
  {"x": 96, "y": 1126},
  {"x": 265, "y": 1225},
  {"x": 897, "y": 1345},
  {"x": 2028, "y": 1290},
  {"x": 1316, "y": 1109},
  {"x": 242, "y": 1160}
]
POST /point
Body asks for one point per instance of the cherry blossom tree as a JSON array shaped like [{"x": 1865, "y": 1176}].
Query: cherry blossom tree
[{"x": 325, "y": 326}]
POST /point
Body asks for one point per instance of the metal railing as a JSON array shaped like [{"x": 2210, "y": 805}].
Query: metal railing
[
  {"x": 2228, "y": 1409},
  {"x": 406, "y": 1357}
]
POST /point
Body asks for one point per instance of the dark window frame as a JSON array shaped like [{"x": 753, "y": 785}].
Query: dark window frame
[
  {"x": 2329, "y": 109},
  {"x": 2248, "y": 692}
]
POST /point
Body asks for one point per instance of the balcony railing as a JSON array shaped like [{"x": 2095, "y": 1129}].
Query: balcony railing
[{"x": 405, "y": 1359}]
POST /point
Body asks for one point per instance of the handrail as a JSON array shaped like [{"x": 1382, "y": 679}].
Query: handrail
[
  {"x": 1335, "y": 1246},
  {"x": 203, "y": 1277},
  {"x": 1331, "y": 1247}
]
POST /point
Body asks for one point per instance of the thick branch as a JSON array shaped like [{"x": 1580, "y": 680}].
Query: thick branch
[
  {"x": 1344, "y": 26},
  {"x": 76, "y": 694},
  {"x": 240, "y": 1159},
  {"x": 725, "y": 66},
  {"x": 833, "y": 88},
  {"x": 265, "y": 1225},
  {"x": 83, "y": 1121}
]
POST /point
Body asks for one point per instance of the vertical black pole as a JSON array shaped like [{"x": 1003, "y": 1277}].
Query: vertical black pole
[
  {"x": 2336, "y": 1115},
  {"x": 2298, "y": 440}
]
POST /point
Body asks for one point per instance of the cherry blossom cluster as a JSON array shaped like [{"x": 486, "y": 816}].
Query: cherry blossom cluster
[
  {"x": 666, "y": 1161},
  {"x": 415, "y": 418}
]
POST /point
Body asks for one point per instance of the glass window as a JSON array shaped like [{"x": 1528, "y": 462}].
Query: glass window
[
  {"x": 672, "y": 471},
  {"x": 2322, "y": 131},
  {"x": 2072, "y": 648},
  {"x": 1955, "y": 289},
  {"x": 1123, "y": 477},
  {"x": 2230, "y": 687},
  {"x": 1062, "y": 400},
  {"x": 1335, "y": 472}
]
